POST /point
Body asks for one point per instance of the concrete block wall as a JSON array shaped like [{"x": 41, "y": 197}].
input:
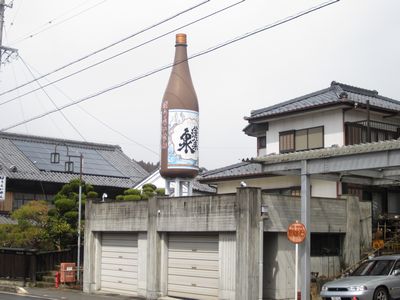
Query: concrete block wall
[{"x": 236, "y": 219}]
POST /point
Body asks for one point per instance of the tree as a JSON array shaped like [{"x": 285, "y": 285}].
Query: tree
[
  {"x": 31, "y": 228},
  {"x": 148, "y": 190},
  {"x": 63, "y": 219},
  {"x": 42, "y": 228}
]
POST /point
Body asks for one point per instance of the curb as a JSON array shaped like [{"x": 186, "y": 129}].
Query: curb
[
  {"x": 13, "y": 289},
  {"x": 10, "y": 289}
]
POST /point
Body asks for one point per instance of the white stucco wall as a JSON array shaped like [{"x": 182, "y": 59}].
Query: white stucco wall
[
  {"x": 332, "y": 120},
  {"x": 319, "y": 188}
]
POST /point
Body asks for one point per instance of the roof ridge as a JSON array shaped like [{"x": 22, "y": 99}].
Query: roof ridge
[
  {"x": 211, "y": 172},
  {"x": 257, "y": 111},
  {"x": 51, "y": 140},
  {"x": 355, "y": 89}
]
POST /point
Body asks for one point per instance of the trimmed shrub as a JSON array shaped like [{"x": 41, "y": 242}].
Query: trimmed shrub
[
  {"x": 52, "y": 212},
  {"x": 64, "y": 204},
  {"x": 92, "y": 194},
  {"x": 71, "y": 217},
  {"x": 149, "y": 186},
  {"x": 119, "y": 197},
  {"x": 132, "y": 197},
  {"x": 132, "y": 192},
  {"x": 160, "y": 192}
]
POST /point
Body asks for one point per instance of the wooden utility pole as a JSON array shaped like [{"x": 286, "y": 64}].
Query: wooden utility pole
[{"x": 5, "y": 52}]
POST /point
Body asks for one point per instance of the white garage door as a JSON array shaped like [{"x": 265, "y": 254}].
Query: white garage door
[
  {"x": 119, "y": 260},
  {"x": 193, "y": 266}
]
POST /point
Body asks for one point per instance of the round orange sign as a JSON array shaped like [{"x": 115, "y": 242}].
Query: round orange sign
[{"x": 296, "y": 232}]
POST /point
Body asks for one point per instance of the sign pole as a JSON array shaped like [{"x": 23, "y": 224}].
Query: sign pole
[{"x": 296, "y": 233}]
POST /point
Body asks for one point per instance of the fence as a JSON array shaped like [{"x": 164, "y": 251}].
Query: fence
[{"x": 29, "y": 264}]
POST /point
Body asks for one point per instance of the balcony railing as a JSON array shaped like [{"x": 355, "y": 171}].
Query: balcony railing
[{"x": 370, "y": 131}]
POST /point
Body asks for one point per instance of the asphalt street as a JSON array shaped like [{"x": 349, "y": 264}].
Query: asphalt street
[
  {"x": 12, "y": 296},
  {"x": 60, "y": 294}
]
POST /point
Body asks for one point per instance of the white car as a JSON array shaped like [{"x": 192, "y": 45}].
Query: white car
[{"x": 375, "y": 279}]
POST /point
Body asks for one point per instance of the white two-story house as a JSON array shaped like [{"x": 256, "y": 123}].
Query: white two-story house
[{"x": 333, "y": 117}]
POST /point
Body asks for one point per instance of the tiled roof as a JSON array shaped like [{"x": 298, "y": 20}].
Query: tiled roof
[
  {"x": 330, "y": 152},
  {"x": 243, "y": 169},
  {"x": 253, "y": 167},
  {"x": 337, "y": 93},
  {"x": 15, "y": 164}
]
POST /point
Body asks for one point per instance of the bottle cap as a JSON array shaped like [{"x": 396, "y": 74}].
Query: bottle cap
[{"x": 181, "y": 38}]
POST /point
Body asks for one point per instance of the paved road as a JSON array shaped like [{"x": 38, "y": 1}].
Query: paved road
[
  {"x": 11, "y": 296},
  {"x": 60, "y": 294}
]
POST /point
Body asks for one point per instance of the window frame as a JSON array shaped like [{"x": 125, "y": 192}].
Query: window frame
[
  {"x": 293, "y": 132},
  {"x": 261, "y": 142},
  {"x": 284, "y": 133}
]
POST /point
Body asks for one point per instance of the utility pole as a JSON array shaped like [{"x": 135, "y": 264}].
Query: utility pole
[{"x": 5, "y": 52}]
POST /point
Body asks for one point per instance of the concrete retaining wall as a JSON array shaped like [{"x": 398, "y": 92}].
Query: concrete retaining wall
[{"x": 236, "y": 217}]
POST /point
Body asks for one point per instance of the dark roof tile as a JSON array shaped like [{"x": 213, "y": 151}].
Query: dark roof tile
[
  {"x": 328, "y": 96},
  {"x": 16, "y": 164}
]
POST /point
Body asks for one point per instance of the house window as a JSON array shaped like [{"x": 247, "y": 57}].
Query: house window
[
  {"x": 326, "y": 244},
  {"x": 286, "y": 141},
  {"x": 304, "y": 139},
  {"x": 261, "y": 142},
  {"x": 21, "y": 199}
]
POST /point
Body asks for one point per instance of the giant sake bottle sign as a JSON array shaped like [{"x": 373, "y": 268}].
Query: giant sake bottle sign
[{"x": 183, "y": 139}]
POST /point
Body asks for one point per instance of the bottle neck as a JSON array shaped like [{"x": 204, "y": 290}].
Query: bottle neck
[{"x": 180, "y": 60}]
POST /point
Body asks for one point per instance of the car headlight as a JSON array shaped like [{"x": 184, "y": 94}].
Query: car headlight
[
  {"x": 357, "y": 288},
  {"x": 324, "y": 288}
]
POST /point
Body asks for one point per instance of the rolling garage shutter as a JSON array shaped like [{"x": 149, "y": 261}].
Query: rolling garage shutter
[
  {"x": 193, "y": 266},
  {"x": 119, "y": 260}
]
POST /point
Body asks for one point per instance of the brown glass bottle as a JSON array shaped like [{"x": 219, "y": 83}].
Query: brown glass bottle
[{"x": 180, "y": 119}]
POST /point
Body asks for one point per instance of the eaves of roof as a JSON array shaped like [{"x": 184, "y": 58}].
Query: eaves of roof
[
  {"x": 336, "y": 94},
  {"x": 329, "y": 152},
  {"x": 235, "y": 171},
  {"x": 252, "y": 168}
]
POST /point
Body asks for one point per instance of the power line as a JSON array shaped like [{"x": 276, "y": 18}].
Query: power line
[
  {"x": 123, "y": 52},
  {"x": 52, "y": 101},
  {"x": 55, "y": 124},
  {"x": 107, "y": 47},
  {"x": 201, "y": 53},
  {"x": 19, "y": 102},
  {"x": 35, "y": 33},
  {"x": 100, "y": 121}
]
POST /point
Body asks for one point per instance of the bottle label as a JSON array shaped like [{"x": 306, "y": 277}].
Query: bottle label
[{"x": 183, "y": 139}]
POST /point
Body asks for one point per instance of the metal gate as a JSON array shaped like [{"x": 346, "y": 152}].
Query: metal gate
[
  {"x": 119, "y": 263},
  {"x": 193, "y": 266}
]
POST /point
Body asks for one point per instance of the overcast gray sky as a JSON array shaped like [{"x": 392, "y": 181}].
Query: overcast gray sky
[{"x": 353, "y": 41}]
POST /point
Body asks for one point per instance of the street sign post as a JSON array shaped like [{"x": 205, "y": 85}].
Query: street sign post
[{"x": 296, "y": 233}]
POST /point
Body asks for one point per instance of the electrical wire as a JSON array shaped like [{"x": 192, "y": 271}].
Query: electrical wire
[
  {"x": 55, "y": 124},
  {"x": 201, "y": 53},
  {"x": 101, "y": 121},
  {"x": 52, "y": 101},
  {"x": 107, "y": 47},
  {"x": 19, "y": 102},
  {"x": 124, "y": 52},
  {"x": 37, "y": 32}
]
